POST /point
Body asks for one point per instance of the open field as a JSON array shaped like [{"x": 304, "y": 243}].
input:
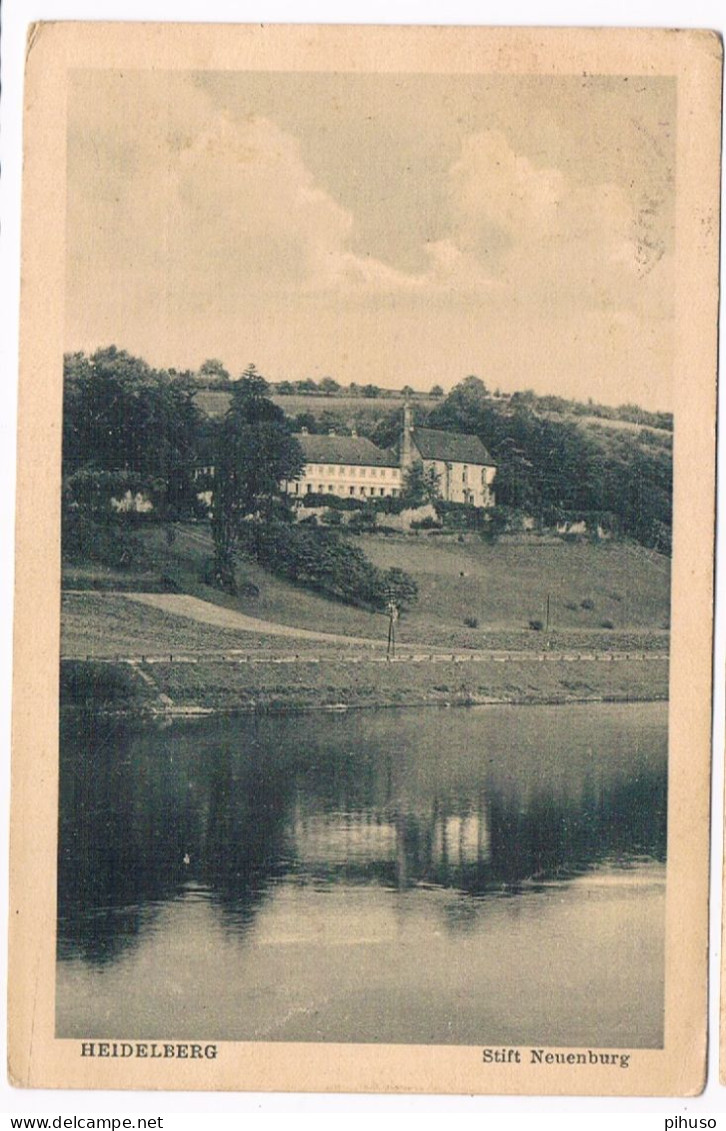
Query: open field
[
  {"x": 665, "y": 434},
  {"x": 215, "y": 401}
]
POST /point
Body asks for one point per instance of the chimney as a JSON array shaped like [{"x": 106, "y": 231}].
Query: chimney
[{"x": 407, "y": 438}]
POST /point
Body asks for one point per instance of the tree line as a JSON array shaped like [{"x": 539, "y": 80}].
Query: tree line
[{"x": 130, "y": 430}]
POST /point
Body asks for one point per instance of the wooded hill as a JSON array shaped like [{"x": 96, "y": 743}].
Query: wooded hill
[{"x": 129, "y": 427}]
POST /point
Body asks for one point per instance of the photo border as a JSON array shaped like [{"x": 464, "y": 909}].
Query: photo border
[{"x": 695, "y": 58}]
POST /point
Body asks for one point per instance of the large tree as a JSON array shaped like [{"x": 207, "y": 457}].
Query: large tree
[
  {"x": 256, "y": 452},
  {"x": 122, "y": 416},
  {"x": 213, "y": 370}
]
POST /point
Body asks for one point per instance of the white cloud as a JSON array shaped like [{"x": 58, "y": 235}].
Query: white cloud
[
  {"x": 194, "y": 231},
  {"x": 556, "y": 243}
]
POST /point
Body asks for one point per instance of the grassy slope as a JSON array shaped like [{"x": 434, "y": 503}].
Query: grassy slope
[
  {"x": 503, "y": 586},
  {"x": 216, "y": 401},
  {"x": 290, "y": 686},
  {"x": 506, "y": 585},
  {"x": 104, "y": 626}
]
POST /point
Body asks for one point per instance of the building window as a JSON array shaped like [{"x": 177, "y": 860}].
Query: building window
[
  {"x": 351, "y": 490},
  {"x": 465, "y": 474},
  {"x": 381, "y": 490},
  {"x": 308, "y": 488}
]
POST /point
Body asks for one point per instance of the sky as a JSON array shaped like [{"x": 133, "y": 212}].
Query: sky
[{"x": 386, "y": 229}]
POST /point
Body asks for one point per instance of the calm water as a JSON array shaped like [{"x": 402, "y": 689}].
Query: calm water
[{"x": 481, "y": 876}]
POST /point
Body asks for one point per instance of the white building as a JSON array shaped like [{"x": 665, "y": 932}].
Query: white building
[
  {"x": 347, "y": 466},
  {"x": 463, "y": 468},
  {"x": 353, "y": 467}
]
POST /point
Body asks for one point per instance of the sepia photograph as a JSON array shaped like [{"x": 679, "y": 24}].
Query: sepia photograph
[{"x": 366, "y": 386}]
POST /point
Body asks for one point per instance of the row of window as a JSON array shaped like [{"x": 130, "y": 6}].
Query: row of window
[
  {"x": 375, "y": 472},
  {"x": 322, "y": 489}
]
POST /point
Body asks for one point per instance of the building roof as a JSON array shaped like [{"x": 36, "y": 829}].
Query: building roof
[
  {"x": 355, "y": 451},
  {"x": 451, "y": 447}
]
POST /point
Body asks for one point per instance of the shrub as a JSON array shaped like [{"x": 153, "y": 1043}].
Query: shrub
[
  {"x": 500, "y": 520},
  {"x": 362, "y": 522},
  {"x": 242, "y": 588},
  {"x": 401, "y": 587},
  {"x": 570, "y": 605},
  {"x": 606, "y": 624},
  {"x": 471, "y": 622},
  {"x": 323, "y": 560},
  {"x": 90, "y": 682},
  {"x": 587, "y": 604},
  {"x": 536, "y": 625},
  {"x": 108, "y": 542},
  {"x": 462, "y": 516}
]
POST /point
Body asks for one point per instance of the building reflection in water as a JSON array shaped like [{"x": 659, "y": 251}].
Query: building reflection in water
[{"x": 497, "y": 800}]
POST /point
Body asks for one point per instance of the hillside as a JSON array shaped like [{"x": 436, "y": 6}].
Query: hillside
[
  {"x": 214, "y": 402},
  {"x": 502, "y": 587}
]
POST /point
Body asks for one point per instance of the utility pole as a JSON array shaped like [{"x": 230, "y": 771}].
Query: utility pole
[{"x": 392, "y": 609}]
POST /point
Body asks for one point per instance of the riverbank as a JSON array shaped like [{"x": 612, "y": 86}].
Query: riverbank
[{"x": 191, "y": 685}]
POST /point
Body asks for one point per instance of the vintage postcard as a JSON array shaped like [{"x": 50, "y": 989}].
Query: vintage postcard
[{"x": 365, "y": 555}]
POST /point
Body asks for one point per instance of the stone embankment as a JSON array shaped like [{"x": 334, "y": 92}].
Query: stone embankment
[{"x": 269, "y": 682}]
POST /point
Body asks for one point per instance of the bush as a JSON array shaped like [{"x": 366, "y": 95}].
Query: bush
[
  {"x": 363, "y": 522},
  {"x": 536, "y": 625},
  {"x": 587, "y": 604},
  {"x": 462, "y": 516},
  {"x": 500, "y": 520},
  {"x": 606, "y": 624},
  {"x": 379, "y": 504},
  {"x": 86, "y": 683},
  {"x": 108, "y": 543},
  {"x": 328, "y": 563},
  {"x": 208, "y": 576},
  {"x": 471, "y": 622},
  {"x": 401, "y": 587}
]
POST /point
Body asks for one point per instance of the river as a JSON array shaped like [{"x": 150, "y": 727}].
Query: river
[{"x": 491, "y": 875}]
